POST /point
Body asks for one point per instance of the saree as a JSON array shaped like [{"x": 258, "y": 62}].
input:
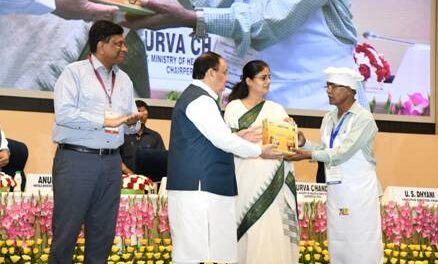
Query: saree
[{"x": 267, "y": 215}]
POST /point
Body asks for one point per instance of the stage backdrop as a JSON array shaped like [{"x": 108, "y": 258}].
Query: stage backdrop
[{"x": 397, "y": 60}]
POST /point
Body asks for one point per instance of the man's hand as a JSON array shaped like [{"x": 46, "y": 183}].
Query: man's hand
[
  {"x": 84, "y": 9},
  {"x": 252, "y": 134},
  {"x": 4, "y": 157},
  {"x": 132, "y": 119},
  {"x": 168, "y": 14},
  {"x": 301, "y": 139},
  {"x": 299, "y": 155},
  {"x": 114, "y": 122},
  {"x": 270, "y": 151}
]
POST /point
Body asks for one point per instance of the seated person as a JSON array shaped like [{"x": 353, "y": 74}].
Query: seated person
[
  {"x": 144, "y": 140},
  {"x": 13, "y": 157}
]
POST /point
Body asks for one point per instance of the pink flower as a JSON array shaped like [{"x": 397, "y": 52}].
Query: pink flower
[{"x": 416, "y": 105}]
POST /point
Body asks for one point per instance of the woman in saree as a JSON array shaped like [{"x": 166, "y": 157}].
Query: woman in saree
[{"x": 267, "y": 214}]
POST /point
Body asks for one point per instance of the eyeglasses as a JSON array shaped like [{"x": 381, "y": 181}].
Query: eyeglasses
[
  {"x": 334, "y": 86},
  {"x": 263, "y": 77}
]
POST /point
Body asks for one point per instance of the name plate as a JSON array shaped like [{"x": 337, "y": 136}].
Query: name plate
[
  {"x": 307, "y": 191},
  {"x": 39, "y": 183},
  {"x": 410, "y": 194}
]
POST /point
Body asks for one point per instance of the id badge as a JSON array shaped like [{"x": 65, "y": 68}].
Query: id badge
[
  {"x": 333, "y": 175},
  {"x": 111, "y": 130}
]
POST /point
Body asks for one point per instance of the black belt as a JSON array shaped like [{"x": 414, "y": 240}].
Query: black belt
[{"x": 88, "y": 150}]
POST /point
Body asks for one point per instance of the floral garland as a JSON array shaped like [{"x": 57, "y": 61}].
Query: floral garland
[
  {"x": 6, "y": 180},
  {"x": 366, "y": 57},
  {"x": 137, "y": 182}
]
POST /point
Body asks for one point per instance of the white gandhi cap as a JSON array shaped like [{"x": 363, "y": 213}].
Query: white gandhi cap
[{"x": 343, "y": 76}]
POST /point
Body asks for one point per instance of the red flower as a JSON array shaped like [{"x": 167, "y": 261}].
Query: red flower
[{"x": 365, "y": 71}]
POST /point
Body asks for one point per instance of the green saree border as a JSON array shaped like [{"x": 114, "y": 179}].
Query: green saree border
[{"x": 262, "y": 203}]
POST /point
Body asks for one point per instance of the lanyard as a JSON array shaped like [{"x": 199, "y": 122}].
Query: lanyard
[
  {"x": 102, "y": 84},
  {"x": 335, "y": 132}
]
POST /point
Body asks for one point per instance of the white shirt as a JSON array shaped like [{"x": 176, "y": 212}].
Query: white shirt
[
  {"x": 3, "y": 141},
  {"x": 34, "y": 7},
  {"x": 203, "y": 113}
]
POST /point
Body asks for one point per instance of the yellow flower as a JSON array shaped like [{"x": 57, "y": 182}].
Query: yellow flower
[
  {"x": 307, "y": 257},
  {"x": 302, "y": 249},
  {"x": 46, "y": 250},
  {"x": 39, "y": 241},
  {"x": 82, "y": 248},
  {"x": 141, "y": 262},
  {"x": 114, "y": 249},
  {"x": 2, "y": 260},
  {"x": 150, "y": 248},
  {"x": 35, "y": 250},
  {"x": 2, "y": 242},
  {"x": 325, "y": 252},
  {"x": 9, "y": 242},
  {"x": 150, "y": 262},
  {"x": 11, "y": 250},
  {"x": 127, "y": 241},
  {"x": 326, "y": 258},
  {"x": 385, "y": 260},
  {"x": 423, "y": 247},
  {"x": 81, "y": 241},
  {"x": 417, "y": 247},
  {"x": 169, "y": 248},
  {"x": 427, "y": 253},
  {"x": 167, "y": 241},
  {"x": 15, "y": 258},
  {"x": 317, "y": 256},
  {"x": 19, "y": 243},
  {"x": 395, "y": 253},
  {"x": 302, "y": 243},
  {"x": 394, "y": 260},
  {"x": 388, "y": 252},
  {"x": 166, "y": 255},
  {"x": 415, "y": 253},
  {"x": 44, "y": 257},
  {"x": 318, "y": 249},
  {"x": 325, "y": 243},
  {"x": 157, "y": 240},
  {"x": 159, "y": 262},
  {"x": 115, "y": 258},
  {"x": 4, "y": 250},
  {"x": 402, "y": 261},
  {"x": 310, "y": 249},
  {"x": 130, "y": 249},
  {"x": 161, "y": 248},
  {"x": 403, "y": 246},
  {"x": 411, "y": 262},
  {"x": 390, "y": 245},
  {"x": 80, "y": 258},
  {"x": 149, "y": 255},
  {"x": 403, "y": 254},
  {"x": 116, "y": 240},
  {"x": 157, "y": 255},
  {"x": 142, "y": 248},
  {"x": 126, "y": 256},
  {"x": 26, "y": 257},
  {"x": 138, "y": 255},
  {"x": 26, "y": 250}
]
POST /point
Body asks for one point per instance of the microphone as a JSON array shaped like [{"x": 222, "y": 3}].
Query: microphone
[{"x": 372, "y": 35}]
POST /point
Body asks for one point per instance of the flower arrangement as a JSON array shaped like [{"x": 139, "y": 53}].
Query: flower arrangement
[
  {"x": 143, "y": 237},
  {"x": 137, "y": 182},
  {"x": 6, "y": 181},
  {"x": 371, "y": 63},
  {"x": 415, "y": 105}
]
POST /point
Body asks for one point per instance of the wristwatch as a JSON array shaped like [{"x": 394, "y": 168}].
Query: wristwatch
[{"x": 200, "y": 30}]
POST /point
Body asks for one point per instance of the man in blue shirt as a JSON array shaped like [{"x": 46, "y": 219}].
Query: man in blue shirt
[{"x": 94, "y": 108}]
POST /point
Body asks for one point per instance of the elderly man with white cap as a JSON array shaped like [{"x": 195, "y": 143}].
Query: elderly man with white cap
[{"x": 346, "y": 148}]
